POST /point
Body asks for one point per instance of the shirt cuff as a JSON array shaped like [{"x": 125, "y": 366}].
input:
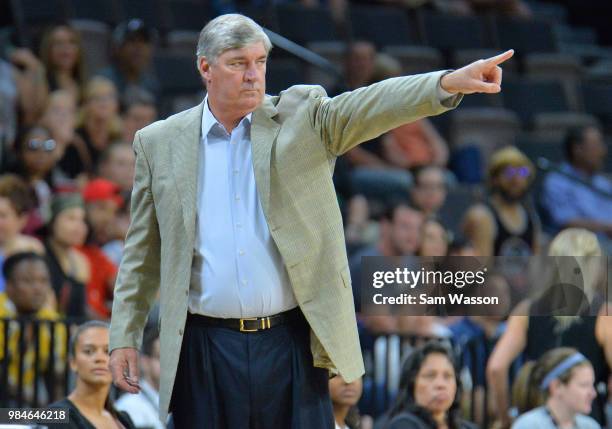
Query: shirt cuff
[{"x": 442, "y": 93}]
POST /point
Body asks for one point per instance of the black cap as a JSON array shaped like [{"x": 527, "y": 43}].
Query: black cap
[{"x": 133, "y": 28}]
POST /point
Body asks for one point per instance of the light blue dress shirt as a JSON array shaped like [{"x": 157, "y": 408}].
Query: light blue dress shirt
[
  {"x": 237, "y": 270},
  {"x": 567, "y": 200}
]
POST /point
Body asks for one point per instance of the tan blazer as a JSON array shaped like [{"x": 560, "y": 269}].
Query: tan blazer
[{"x": 295, "y": 138}]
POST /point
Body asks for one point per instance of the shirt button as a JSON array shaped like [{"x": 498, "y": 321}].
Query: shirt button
[
  {"x": 241, "y": 252},
  {"x": 237, "y": 198},
  {"x": 238, "y": 225},
  {"x": 244, "y": 282},
  {"x": 235, "y": 171}
]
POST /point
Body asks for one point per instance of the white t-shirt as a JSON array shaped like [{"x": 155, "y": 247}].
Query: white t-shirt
[
  {"x": 539, "y": 418},
  {"x": 142, "y": 407}
]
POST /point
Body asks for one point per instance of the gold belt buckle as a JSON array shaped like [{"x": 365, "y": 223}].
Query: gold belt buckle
[{"x": 243, "y": 329}]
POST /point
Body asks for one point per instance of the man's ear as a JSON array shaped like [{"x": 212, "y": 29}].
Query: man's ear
[{"x": 204, "y": 69}]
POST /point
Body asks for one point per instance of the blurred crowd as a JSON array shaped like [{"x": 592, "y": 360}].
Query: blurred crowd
[{"x": 67, "y": 169}]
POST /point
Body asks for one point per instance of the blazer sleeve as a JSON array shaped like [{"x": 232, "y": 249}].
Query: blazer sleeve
[
  {"x": 139, "y": 273},
  {"x": 351, "y": 118}
]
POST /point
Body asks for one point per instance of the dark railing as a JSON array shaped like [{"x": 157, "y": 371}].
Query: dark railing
[{"x": 34, "y": 367}]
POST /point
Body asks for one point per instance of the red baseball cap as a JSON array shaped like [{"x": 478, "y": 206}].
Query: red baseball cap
[{"x": 102, "y": 190}]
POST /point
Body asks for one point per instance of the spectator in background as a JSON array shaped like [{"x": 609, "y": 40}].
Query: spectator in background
[
  {"x": 430, "y": 189},
  {"x": 89, "y": 404},
  {"x": 435, "y": 239},
  {"x": 25, "y": 73},
  {"x": 506, "y": 225},
  {"x": 368, "y": 171},
  {"x": 16, "y": 202},
  {"x": 532, "y": 333},
  {"x": 27, "y": 287},
  {"x": 60, "y": 118},
  {"x": 100, "y": 124},
  {"x": 429, "y": 392},
  {"x": 70, "y": 270},
  {"x": 37, "y": 165},
  {"x": 415, "y": 144},
  {"x": 139, "y": 112},
  {"x": 400, "y": 235},
  {"x": 102, "y": 202},
  {"x": 560, "y": 385},
  {"x": 344, "y": 397},
  {"x": 117, "y": 165},
  {"x": 577, "y": 195},
  {"x": 143, "y": 407},
  {"x": 132, "y": 55},
  {"x": 62, "y": 55}
]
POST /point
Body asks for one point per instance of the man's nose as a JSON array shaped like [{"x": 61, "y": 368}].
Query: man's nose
[{"x": 251, "y": 72}]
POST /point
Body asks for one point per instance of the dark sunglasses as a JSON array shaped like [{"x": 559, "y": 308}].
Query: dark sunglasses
[
  {"x": 46, "y": 145},
  {"x": 510, "y": 172}
]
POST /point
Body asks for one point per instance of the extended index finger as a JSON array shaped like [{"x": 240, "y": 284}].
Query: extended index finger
[{"x": 498, "y": 59}]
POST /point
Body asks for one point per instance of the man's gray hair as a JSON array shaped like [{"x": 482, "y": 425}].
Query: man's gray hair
[{"x": 231, "y": 31}]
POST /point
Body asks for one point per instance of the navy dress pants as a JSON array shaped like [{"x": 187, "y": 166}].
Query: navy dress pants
[{"x": 228, "y": 379}]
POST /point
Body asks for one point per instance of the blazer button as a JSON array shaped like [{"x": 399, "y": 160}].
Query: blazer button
[{"x": 180, "y": 332}]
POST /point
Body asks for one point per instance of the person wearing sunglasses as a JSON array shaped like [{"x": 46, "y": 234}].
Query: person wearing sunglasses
[
  {"x": 36, "y": 164},
  {"x": 505, "y": 225}
]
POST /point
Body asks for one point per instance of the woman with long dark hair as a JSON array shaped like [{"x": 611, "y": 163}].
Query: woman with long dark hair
[
  {"x": 89, "y": 404},
  {"x": 429, "y": 393}
]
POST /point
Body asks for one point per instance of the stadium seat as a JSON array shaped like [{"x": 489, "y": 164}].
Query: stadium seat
[
  {"x": 95, "y": 36},
  {"x": 487, "y": 128},
  {"x": 482, "y": 100},
  {"x": 303, "y": 25},
  {"x": 449, "y": 32},
  {"x": 553, "y": 13},
  {"x": 598, "y": 101},
  {"x": 187, "y": 15},
  {"x": 535, "y": 147},
  {"x": 525, "y": 36},
  {"x": 600, "y": 72},
  {"x": 283, "y": 73},
  {"x": 177, "y": 74},
  {"x": 37, "y": 13},
  {"x": 105, "y": 11},
  {"x": 527, "y": 98},
  {"x": 334, "y": 53},
  {"x": 555, "y": 126},
  {"x": 384, "y": 26},
  {"x": 416, "y": 59},
  {"x": 562, "y": 67}
]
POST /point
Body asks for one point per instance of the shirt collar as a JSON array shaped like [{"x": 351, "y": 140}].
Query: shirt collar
[{"x": 209, "y": 120}]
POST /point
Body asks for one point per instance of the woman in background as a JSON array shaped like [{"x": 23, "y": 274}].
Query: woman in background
[
  {"x": 556, "y": 391},
  {"x": 89, "y": 404},
  {"x": 429, "y": 392},
  {"x": 62, "y": 55}
]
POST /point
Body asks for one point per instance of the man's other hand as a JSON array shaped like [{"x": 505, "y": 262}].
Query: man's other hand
[
  {"x": 124, "y": 368},
  {"x": 480, "y": 76}
]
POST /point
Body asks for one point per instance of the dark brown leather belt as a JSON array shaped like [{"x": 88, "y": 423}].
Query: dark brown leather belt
[{"x": 248, "y": 324}]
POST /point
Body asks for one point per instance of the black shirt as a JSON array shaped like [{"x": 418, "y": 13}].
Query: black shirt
[{"x": 78, "y": 420}]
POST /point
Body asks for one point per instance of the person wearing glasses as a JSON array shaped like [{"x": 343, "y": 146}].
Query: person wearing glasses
[
  {"x": 505, "y": 225},
  {"x": 36, "y": 163}
]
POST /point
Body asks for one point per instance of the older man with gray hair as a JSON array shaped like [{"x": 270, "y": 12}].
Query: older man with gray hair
[{"x": 236, "y": 222}]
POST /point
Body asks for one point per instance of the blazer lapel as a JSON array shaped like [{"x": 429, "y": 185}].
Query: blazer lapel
[
  {"x": 185, "y": 156},
  {"x": 264, "y": 130}
]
